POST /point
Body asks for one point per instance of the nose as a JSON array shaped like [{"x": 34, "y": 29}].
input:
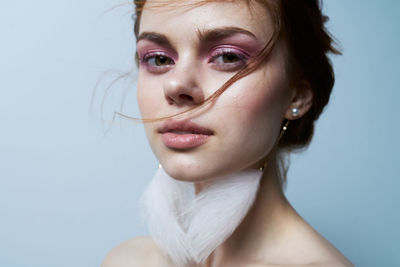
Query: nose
[{"x": 181, "y": 87}]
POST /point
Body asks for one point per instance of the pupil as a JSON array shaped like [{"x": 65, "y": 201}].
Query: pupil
[
  {"x": 161, "y": 60},
  {"x": 230, "y": 58}
]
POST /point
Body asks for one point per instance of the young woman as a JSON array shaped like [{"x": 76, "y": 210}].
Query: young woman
[{"x": 225, "y": 88}]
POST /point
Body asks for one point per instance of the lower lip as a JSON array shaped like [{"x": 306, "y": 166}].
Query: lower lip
[{"x": 184, "y": 141}]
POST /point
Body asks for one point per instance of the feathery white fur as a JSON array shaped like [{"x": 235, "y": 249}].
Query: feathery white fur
[{"x": 190, "y": 227}]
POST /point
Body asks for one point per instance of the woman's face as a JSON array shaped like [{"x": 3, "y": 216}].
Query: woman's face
[{"x": 186, "y": 53}]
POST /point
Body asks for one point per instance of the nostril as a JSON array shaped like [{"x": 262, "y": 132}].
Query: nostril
[
  {"x": 180, "y": 99},
  {"x": 186, "y": 97},
  {"x": 170, "y": 100}
]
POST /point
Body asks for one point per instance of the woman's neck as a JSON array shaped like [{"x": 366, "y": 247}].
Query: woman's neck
[{"x": 262, "y": 225}]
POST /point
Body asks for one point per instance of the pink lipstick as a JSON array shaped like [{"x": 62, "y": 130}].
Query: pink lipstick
[{"x": 183, "y": 134}]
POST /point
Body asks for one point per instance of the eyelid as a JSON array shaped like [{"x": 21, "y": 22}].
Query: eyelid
[
  {"x": 148, "y": 58},
  {"x": 220, "y": 50},
  {"x": 150, "y": 54}
]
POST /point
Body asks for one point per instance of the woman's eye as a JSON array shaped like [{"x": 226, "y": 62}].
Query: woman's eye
[
  {"x": 157, "y": 63},
  {"x": 227, "y": 60},
  {"x": 160, "y": 60}
]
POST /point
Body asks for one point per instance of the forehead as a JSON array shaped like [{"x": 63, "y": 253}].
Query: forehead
[{"x": 183, "y": 17}]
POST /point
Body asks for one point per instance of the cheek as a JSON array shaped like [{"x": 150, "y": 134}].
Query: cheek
[
  {"x": 262, "y": 96},
  {"x": 149, "y": 100},
  {"x": 148, "y": 96},
  {"x": 258, "y": 110},
  {"x": 261, "y": 118}
]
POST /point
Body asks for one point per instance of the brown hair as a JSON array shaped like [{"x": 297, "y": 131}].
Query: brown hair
[{"x": 301, "y": 25}]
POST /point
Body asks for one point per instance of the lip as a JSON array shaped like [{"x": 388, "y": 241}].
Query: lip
[{"x": 183, "y": 134}]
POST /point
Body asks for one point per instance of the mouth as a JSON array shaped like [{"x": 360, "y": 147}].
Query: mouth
[{"x": 184, "y": 134}]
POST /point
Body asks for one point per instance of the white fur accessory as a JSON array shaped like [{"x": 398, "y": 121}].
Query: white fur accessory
[{"x": 189, "y": 227}]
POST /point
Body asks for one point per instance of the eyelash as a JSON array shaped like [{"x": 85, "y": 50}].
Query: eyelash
[
  {"x": 149, "y": 60},
  {"x": 152, "y": 66},
  {"x": 224, "y": 66}
]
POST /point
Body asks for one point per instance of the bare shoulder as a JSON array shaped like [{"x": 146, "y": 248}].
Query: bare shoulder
[
  {"x": 312, "y": 249},
  {"x": 299, "y": 244},
  {"x": 136, "y": 252},
  {"x": 326, "y": 264},
  {"x": 327, "y": 254},
  {"x": 334, "y": 263}
]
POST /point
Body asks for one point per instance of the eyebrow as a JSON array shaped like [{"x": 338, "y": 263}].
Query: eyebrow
[
  {"x": 203, "y": 35},
  {"x": 221, "y": 33},
  {"x": 154, "y": 37}
]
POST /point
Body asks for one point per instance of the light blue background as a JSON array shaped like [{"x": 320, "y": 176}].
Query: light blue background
[{"x": 69, "y": 192}]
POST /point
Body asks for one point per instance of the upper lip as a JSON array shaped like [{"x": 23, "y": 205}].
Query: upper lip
[{"x": 183, "y": 126}]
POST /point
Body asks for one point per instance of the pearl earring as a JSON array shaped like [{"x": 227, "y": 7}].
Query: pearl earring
[{"x": 295, "y": 112}]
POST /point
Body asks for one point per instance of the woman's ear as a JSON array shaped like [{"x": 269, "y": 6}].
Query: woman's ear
[{"x": 301, "y": 101}]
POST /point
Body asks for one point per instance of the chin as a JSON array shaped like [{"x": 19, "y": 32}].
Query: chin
[
  {"x": 187, "y": 172},
  {"x": 182, "y": 166},
  {"x": 196, "y": 171},
  {"x": 184, "y": 173}
]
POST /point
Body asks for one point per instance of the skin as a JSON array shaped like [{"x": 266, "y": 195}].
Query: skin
[{"x": 246, "y": 121}]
